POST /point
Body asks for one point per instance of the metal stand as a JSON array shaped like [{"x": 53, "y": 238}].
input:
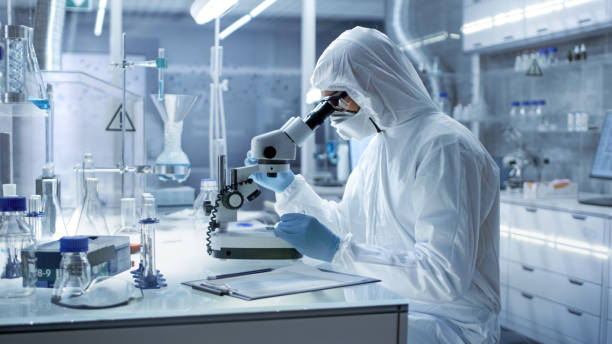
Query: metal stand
[{"x": 217, "y": 137}]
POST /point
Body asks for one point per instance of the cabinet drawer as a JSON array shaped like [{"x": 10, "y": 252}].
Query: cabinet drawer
[
  {"x": 609, "y": 338},
  {"x": 577, "y": 263},
  {"x": 567, "y": 321},
  {"x": 610, "y": 308},
  {"x": 575, "y": 230},
  {"x": 581, "y": 295},
  {"x": 505, "y": 223}
]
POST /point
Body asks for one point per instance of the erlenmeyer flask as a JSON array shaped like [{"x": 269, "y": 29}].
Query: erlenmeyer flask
[
  {"x": 23, "y": 90},
  {"x": 80, "y": 175},
  {"x": 53, "y": 225},
  {"x": 91, "y": 219},
  {"x": 173, "y": 163}
]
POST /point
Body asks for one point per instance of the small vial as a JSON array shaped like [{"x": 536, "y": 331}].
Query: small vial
[
  {"x": 514, "y": 108},
  {"x": 571, "y": 121}
]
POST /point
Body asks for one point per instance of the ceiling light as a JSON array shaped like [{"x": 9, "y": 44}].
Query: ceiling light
[{"x": 204, "y": 11}]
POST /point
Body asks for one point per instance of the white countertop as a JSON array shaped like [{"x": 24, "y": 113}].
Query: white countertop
[
  {"x": 563, "y": 204},
  {"x": 182, "y": 257}
]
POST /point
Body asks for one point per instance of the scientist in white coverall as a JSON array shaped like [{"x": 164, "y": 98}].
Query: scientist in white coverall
[{"x": 420, "y": 211}]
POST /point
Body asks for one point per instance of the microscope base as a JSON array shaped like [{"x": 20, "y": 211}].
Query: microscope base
[{"x": 251, "y": 243}]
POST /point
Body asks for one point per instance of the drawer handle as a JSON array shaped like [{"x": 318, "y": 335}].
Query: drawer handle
[
  {"x": 574, "y": 312},
  {"x": 579, "y": 217},
  {"x": 527, "y": 296},
  {"x": 542, "y": 30},
  {"x": 576, "y": 282},
  {"x": 530, "y": 210},
  {"x": 527, "y": 268},
  {"x": 584, "y": 21},
  {"x": 508, "y": 38}
]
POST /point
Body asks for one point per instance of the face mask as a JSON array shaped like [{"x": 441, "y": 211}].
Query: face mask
[{"x": 355, "y": 126}]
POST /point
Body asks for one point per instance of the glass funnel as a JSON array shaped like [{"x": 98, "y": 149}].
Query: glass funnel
[
  {"x": 173, "y": 163},
  {"x": 23, "y": 90}
]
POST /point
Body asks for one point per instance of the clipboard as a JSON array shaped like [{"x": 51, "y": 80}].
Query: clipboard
[{"x": 287, "y": 280}]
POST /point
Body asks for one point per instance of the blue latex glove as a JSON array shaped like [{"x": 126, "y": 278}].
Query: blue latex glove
[
  {"x": 276, "y": 184},
  {"x": 308, "y": 236}
]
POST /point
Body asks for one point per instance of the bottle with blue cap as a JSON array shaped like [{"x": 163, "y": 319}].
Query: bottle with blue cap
[
  {"x": 444, "y": 103},
  {"x": 207, "y": 196},
  {"x": 75, "y": 271},
  {"x": 17, "y": 268}
]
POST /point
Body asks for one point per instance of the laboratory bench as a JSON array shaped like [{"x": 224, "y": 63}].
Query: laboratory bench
[
  {"x": 179, "y": 314},
  {"x": 555, "y": 269}
]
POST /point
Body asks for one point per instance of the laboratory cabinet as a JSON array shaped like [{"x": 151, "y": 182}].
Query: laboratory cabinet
[
  {"x": 503, "y": 22},
  {"x": 554, "y": 270}
]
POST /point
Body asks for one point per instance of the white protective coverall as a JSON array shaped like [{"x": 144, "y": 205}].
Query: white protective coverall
[{"x": 421, "y": 209}]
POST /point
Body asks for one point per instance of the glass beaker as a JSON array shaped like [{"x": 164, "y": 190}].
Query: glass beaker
[
  {"x": 53, "y": 225},
  {"x": 17, "y": 266},
  {"x": 173, "y": 163},
  {"x": 91, "y": 219},
  {"x": 23, "y": 90}
]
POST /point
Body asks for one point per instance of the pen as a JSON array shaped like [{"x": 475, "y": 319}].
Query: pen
[{"x": 236, "y": 274}]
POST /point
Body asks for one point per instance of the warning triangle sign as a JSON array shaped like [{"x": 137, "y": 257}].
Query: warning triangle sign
[
  {"x": 534, "y": 69},
  {"x": 115, "y": 122}
]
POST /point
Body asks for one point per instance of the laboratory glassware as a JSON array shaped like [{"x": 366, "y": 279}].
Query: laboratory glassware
[
  {"x": 74, "y": 287},
  {"x": 147, "y": 276},
  {"x": 34, "y": 216},
  {"x": 17, "y": 268},
  {"x": 81, "y": 174},
  {"x": 9, "y": 190},
  {"x": 91, "y": 219},
  {"x": 128, "y": 215},
  {"x": 173, "y": 163},
  {"x": 207, "y": 196},
  {"x": 23, "y": 90},
  {"x": 75, "y": 270},
  {"x": 53, "y": 225}
]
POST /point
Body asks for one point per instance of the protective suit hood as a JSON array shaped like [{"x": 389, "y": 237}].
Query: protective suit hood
[{"x": 376, "y": 74}]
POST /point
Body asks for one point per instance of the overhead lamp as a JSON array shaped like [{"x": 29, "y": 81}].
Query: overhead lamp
[
  {"x": 246, "y": 18},
  {"x": 100, "y": 17},
  {"x": 234, "y": 26},
  {"x": 204, "y": 11}
]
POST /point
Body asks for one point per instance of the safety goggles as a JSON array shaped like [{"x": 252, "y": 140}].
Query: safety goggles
[{"x": 337, "y": 101}]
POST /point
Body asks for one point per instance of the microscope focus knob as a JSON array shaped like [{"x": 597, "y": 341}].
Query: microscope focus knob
[{"x": 233, "y": 200}]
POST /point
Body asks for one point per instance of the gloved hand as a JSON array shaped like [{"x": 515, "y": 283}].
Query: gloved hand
[
  {"x": 276, "y": 184},
  {"x": 308, "y": 236}
]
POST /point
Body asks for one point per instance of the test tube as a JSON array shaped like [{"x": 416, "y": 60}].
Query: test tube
[
  {"x": 148, "y": 223},
  {"x": 34, "y": 215},
  {"x": 160, "y": 74}
]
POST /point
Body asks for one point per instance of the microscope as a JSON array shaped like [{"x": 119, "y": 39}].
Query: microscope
[{"x": 225, "y": 238}]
